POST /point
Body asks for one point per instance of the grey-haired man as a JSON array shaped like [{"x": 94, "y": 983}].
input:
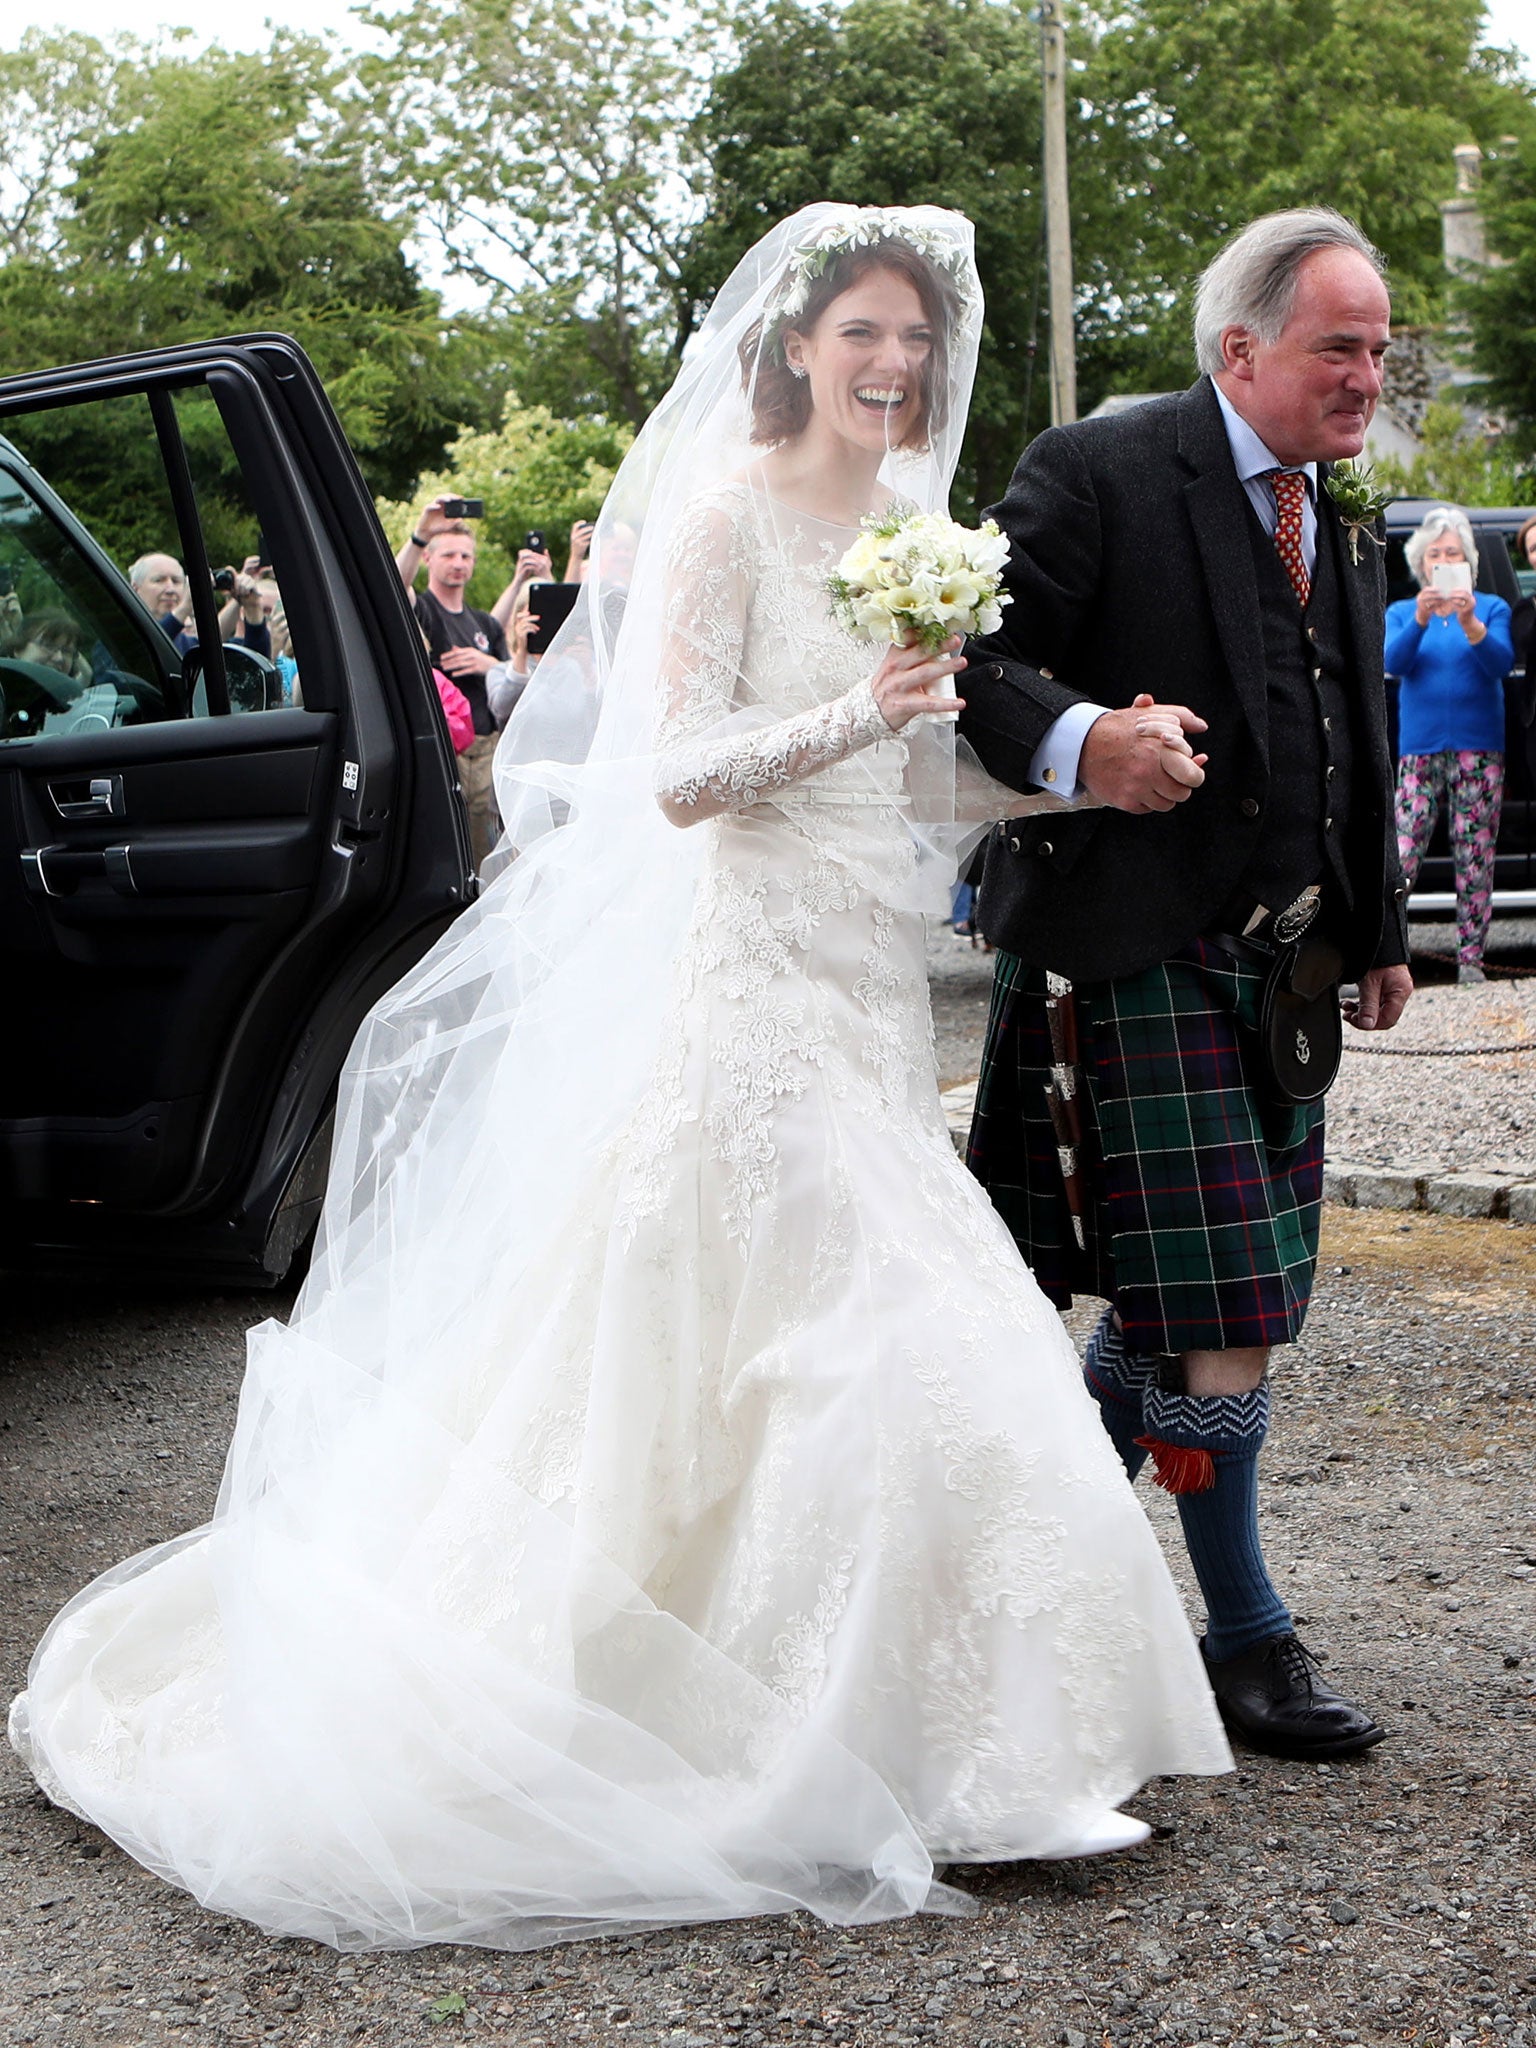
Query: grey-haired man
[{"x": 1188, "y": 552}]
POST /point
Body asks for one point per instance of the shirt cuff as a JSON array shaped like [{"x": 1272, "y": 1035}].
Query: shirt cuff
[{"x": 1053, "y": 765}]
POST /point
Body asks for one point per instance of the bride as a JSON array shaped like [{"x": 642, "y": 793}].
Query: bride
[{"x": 671, "y": 1499}]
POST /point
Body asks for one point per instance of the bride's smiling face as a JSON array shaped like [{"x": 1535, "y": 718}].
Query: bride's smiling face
[{"x": 865, "y": 361}]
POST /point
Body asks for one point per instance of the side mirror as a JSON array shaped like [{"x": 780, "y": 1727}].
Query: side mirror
[{"x": 254, "y": 682}]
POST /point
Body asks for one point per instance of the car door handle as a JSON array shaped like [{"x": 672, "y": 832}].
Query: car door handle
[
  {"x": 57, "y": 870},
  {"x": 102, "y": 798}
]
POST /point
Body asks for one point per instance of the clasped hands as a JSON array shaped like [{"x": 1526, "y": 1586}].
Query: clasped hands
[{"x": 1140, "y": 759}]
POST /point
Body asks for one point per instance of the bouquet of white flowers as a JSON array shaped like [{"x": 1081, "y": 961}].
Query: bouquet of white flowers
[{"x": 914, "y": 578}]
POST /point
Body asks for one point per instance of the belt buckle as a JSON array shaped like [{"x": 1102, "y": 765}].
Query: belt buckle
[{"x": 1290, "y": 923}]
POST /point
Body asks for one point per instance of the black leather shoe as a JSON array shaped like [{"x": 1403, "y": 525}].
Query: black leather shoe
[{"x": 1273, "y": 1699}]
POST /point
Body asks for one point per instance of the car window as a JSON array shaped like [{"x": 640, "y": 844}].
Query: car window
[{"x": 99, "y": 625}]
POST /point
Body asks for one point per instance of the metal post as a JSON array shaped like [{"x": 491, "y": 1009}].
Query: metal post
[{"x": 1058, "y": 214}]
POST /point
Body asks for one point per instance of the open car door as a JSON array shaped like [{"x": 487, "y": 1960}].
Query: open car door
[{"x": 215, "y": 852}]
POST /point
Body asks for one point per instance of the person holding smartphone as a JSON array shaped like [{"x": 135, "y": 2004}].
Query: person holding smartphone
[
  {"x": 1450, "y": 649},
  {"x": 465, "y": 643}
]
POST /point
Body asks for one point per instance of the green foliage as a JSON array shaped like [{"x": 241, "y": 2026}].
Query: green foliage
[
  {"x": 548, "y": 149},
  {"x": 172, "y": 199},
  {"x": 1459, "y": 465},
  {"x": 1205, "y": 116},
  {"x": 452, "y": 2005},
  {"x": 1500, "y": 302},
  {"x": 534, "y": 470},
  {"x": 889, "y": 102}
]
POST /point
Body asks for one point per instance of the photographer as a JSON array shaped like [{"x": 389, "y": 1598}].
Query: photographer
[
  {"x": 160, "y": 584},
  {"x": 243, "y": 616},
  {"x": 576, "y": 561},
  {"x": 534, "y": 565},
  {"x": 464, "y": 643}
]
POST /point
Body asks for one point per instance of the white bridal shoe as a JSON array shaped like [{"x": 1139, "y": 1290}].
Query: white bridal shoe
[{"x": 1109, "y": 1832}]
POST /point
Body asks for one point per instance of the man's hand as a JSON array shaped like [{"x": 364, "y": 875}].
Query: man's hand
[
  {"x": 1384, "y": 993},
  {"x": 246, "y": 593},
  {"x": 1139, "y": 760},
  {"x": 432, "y": 518},
  {"x": 466, "y": 661}
]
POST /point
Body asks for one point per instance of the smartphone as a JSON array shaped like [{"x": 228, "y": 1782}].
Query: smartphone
[
  {"x": 463, "y": 508},
  {"x": 1451, "y": 576},
  {"x": 551, "y": 605},
  {"x": 533, "y": 541}
]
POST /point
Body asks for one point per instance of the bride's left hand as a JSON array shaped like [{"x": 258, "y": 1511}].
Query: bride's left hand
[{"x": 909, "y": 682}]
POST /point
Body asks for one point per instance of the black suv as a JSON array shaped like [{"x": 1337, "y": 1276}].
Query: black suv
[
  {"x": 1514, "y": 878},
  {"x": 209, "y": 875}
]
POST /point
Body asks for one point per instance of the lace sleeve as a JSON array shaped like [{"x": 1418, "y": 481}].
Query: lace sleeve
[{"x": 703, "y": 771}]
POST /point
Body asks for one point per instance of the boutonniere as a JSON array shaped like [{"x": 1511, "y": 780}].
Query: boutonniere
[{"x": 1361, "y": 502}]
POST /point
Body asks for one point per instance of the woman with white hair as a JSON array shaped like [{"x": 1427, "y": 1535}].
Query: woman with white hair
[{"x": 1450, "y": 649}]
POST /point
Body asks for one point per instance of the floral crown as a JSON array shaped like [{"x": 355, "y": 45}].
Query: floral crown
[{"x": 861, "y": 227}]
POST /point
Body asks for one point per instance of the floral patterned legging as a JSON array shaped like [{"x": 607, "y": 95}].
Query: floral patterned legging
[{"x": 1471, "y": 785}]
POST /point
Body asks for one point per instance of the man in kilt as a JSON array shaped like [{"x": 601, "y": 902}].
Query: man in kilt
[{"x": 1180, "y": 571}]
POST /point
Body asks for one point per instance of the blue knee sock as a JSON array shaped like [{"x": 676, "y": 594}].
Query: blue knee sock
[
  {"x": 1206, "y": 1449},
  {"x": 1117, "y": 1380}
]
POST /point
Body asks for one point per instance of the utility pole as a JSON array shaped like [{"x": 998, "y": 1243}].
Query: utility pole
[{"x": 1058, "y": 214}]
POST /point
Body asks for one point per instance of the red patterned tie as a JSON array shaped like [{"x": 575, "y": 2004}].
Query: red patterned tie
[{"x": 1290, "y": 488}]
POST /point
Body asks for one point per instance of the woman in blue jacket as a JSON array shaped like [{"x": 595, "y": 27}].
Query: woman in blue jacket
[{"x": 1450, "y": 648}]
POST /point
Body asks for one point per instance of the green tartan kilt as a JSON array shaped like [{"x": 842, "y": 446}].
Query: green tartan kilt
[{"x": 1204, "y": 1194}]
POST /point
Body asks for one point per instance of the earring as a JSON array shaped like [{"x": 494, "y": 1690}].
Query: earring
[{"x": 797, "y": 369}]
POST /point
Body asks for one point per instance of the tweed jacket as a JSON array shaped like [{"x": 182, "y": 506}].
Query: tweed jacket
[{"x": 1133, "y": 569}]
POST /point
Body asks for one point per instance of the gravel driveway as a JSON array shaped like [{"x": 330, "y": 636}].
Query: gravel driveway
[{"x": 1388, "y": 1900}]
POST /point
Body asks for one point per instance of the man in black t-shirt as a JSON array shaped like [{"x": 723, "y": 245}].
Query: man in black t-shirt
[{"x": 464, "y": 643}]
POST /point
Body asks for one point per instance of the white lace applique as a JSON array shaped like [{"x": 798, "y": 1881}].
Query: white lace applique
[{"x": 736, "y": 594}]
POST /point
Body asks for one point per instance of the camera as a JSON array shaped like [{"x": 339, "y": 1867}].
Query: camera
[
  {"x": 533, "y": 540},
  {"x": 463, "y": 508},
  {"x": 223, "y": 579}
]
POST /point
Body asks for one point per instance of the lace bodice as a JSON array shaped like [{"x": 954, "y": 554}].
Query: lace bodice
[
  {"x": 763, "y": 690},
  {"x": 765, "y": 697}
]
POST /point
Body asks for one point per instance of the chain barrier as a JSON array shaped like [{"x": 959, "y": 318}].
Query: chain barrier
[
  {"x": 1451, "y": 1052},
  {"x": 1440, "y": 1052}
]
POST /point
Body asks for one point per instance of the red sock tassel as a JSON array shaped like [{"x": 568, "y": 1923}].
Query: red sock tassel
[{"x": 1179, "y": 1468}]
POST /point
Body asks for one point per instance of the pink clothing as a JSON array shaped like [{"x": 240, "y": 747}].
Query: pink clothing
[
  {"x": 1470, "y": 783},
  {"x": 461, "y": 720}
]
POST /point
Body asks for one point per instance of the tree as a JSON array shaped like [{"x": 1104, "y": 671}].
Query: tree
[
  {"x": 209, "y": 196},
  {"x": 1500, "y": 302},
  {"x": 887, "y": 102},
  {"x": 56, "y": 94},
  {"x": 1457, "y": 464},
  {"x": 549, "y": 152},
  {"x": 1205, "y": 116},
  {"x": 533, "y": 470}
]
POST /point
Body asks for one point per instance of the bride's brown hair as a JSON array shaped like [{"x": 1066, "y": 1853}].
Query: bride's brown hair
[{"x": 781, "y": 401}]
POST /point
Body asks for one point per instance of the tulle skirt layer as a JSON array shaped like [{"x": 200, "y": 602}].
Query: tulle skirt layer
[{"x": 754, "y": 1546}]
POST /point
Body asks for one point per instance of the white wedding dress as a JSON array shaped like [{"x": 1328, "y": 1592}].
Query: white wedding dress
[{"x": 754, "y": 1545}]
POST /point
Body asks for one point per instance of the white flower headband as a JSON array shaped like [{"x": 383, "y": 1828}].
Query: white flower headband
[{"x": 859, "y": 228}]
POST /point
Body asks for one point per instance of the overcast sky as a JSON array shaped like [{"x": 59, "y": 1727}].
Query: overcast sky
[{"x": 1510, "y": 21}]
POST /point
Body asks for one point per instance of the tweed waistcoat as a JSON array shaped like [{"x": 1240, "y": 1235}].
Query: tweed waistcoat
[{"x": 1311, "y": 742}]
